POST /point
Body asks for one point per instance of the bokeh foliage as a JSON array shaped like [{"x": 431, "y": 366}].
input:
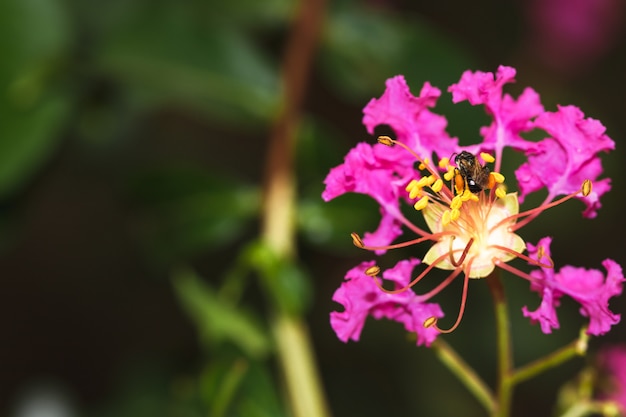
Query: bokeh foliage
[{"x": 113, "y": 81}]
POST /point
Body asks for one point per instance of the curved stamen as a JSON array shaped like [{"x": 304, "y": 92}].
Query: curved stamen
[
  {"x": 432, "y": 322},
  {"x": 463, "y": 255},
  {"x": 386, "y": 140},
  {"x": 415, "y": 281},
  {"x": 534, "y": 212},
  {"x": 443, "y": 284},
  {"x": 528, "y": 259},
  {"x": 358, "y": 241},
  {"x": 503, "y": 265}
]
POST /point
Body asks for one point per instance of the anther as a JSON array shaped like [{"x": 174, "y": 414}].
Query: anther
[
  {"x": 430, "y": 322},
  {"x": 422, "y": 166},
  {"x": 421, "y": 203},
  {"x": 498, "y": 178},
  {"x": 372, "y": 271},
  {"x": 437, "y": 186},
  {"x": 385, "y": 140},
  {"x": 411, "y": 185},
  {"x": 487, "y": 157},
  {"x": 357, "y": 241},
  {"x": 444, "y": 162},
  {"x": 445, "y": 218},
  {"x": 467, "y": 195},
  {"x": 500, "y": 192},
  {"x": 449, "y": 174},
  {"x": 586, "y": 187}
]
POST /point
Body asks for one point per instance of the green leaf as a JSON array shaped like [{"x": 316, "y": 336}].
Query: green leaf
[
  {"x": 34, "y": 40},
  {"x": 185, "y": 210},
  {"x": 287, "y": 283},
  {"x": 217, "y": 320},
  {"x": 239, "y": 388},
  {"x": 362, "y": 48},
  {"x": 170, "y": 55}
]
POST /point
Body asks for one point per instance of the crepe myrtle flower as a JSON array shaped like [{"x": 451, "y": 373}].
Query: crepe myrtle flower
[
  {"x": 472, "y": 218},
  {"x": 611, "y": 362}
]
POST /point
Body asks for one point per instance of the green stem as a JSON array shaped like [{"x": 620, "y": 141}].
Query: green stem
[
  {"x": 504, "y": 348},
  {"x": 466, "y": 374},
  {"x": 293, "y": 342},
  {"x": 550, "y": 361}
]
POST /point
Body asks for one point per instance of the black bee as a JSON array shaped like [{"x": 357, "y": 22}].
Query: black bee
[{"x": 475, "y": 175}]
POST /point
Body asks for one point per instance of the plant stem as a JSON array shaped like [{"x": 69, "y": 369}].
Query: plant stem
[
  {"x": 295, "y": 356},
  {"x": 504, "y": 348},
  {"x": 466, "y": 374},
  {"x": 550, "y": 361}
]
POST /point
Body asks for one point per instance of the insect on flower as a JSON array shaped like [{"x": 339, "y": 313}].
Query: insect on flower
[
  {"x": 472, "y": 220},
  {"x": 471, "y": 174}
]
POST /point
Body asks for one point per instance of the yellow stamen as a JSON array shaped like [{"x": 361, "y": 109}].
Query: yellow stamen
[
  {"x": 467, "y": 195},
  {"x": 437, "y": 186},
  {"x": 586, "y": 188},
  {"x": 372, "y": 271},
  {"x": 444, "y": 163},
  {"x": 449, "y": 174},
  {"x": 454, "y": 214},
  {"x": 424, "y": 182},
  {"x": 499, "y": 178},
  {"x": 445, "y": 218},
  {"x": 487, "y": 157},
  {"x": 421, "y": 203},
  {"x": 415, "y": 192},
  {"x": 385, "y": 140},
  {"x": 424, "y": 164},
  {"x": 500, "y": 192},
  {"x": 411, "y": 185},
  {"x": 456, "y": 202}
]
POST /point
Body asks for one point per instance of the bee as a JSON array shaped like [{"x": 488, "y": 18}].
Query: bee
[{"x": 475, "y": 176}]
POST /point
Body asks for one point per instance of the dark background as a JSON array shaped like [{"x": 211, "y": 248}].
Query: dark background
[{"x": 124, "y": 126}]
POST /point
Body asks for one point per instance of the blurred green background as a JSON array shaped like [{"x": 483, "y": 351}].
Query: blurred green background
[{"x": 132, "y": 142}]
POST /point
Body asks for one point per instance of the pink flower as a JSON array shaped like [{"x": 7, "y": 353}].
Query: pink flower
[
  {"x": 563, "y": 160},
  {"x": 571, "y": 35},
  {"x": 361, "y": 297},
  {"x": 612, "y": 363},
  {"x": 589, "y": 287},
  {"x": 472, "y": 219}
]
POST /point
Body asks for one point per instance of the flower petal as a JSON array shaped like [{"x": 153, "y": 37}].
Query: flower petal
[
  {"x": 589, "y": 287},
  {"x": 563, "y": 161},
  {"x": 362, "y": 298},
  {"x": 410, "y": 119}
]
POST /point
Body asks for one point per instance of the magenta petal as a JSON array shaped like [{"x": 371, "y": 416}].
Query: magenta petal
[
  {"x": 510, "y": 117},
  {"x": 589, "y": 287},
  {"x": 410, "y": 119},
  {"x": 563, "y": 161},
  {"x": 361, "y": 298}
]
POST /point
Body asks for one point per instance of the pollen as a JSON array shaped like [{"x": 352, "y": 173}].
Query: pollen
[
  {"x": 449, "y": 174},
  {"x": 456, "y": 203},
  {"x": 421, "y": 203},
  {"x": 444, "y": 163},
  {"x": 500, "y": 192},
  {"x": 487, "y": 157},
  {"x": 437, "y": 185},
  {"x": 498, "y": 178}
]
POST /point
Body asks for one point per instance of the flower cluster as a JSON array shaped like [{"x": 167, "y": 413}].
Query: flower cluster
[{"x": 471, "y": 216}]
